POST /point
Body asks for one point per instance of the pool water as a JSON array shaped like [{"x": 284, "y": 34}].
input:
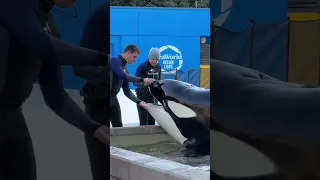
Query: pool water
[{"x": 173, "y": 152}]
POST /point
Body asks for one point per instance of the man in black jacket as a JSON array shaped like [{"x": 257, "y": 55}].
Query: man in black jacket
[
  {"x": 148, "y": 69},
  {"x": 101, "y": 104},
  {"x": 35, "y": 55},
  {"x": 95, "y": 36}
]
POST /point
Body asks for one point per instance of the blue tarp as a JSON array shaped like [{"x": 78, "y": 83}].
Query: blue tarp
[
  {"x": 191, "y": 76},
  {"x": 270, "y": 47},
  {"x": 263, "y": 47}
]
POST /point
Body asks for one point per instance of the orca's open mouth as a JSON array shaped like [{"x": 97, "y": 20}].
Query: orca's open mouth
[
  {"x": 178, "y": 109},
  {"x": 178, "y": 119},
  {"x": 157, "y": 92}
]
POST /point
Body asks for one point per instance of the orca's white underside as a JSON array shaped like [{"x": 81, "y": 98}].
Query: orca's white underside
[{"x": 165, "y": 121}]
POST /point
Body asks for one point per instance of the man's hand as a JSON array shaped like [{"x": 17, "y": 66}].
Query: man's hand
[
  {"x": 103, "y": 134},
  {"x": 148, "y": 81},
  {"x": 143, "y": 104}
]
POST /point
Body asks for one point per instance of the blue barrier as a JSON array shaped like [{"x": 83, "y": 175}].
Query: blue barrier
[{"x": 263, "y": 47}]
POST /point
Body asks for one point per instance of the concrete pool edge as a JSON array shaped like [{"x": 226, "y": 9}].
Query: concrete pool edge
[
  {"x": 138, "y": 130},
  {"x": 128, "y": 165}
]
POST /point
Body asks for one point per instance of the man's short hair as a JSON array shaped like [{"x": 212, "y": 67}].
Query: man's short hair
[{"x": 131, "y": 48}]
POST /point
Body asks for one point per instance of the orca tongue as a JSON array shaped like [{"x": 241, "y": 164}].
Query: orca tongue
[{"x": 180, "y": 110}]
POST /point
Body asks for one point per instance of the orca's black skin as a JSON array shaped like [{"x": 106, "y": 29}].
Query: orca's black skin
[
  {"x": 4, "y": 46},
  {"x": 279, "y": 119},
  {"x": 195, "y": 129}
]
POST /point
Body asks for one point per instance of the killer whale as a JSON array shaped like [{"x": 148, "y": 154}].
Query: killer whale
[
  {"x": 280, "y": 120},
  {"x": 179, "y": 100}
]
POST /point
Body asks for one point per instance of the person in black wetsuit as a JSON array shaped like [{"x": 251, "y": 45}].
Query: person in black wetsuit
[
  {"x": 148, "y": 69},
  {"x": 96, "y": 90},
  {"x": 95, "y": 37},
  {"x": 4, "y": 45},
  {"x": 118, "y": 78},
  {"x": 32, "y": 55}
]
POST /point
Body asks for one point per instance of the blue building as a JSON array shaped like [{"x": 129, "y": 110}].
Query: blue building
[{"x": 176, "y": 31}]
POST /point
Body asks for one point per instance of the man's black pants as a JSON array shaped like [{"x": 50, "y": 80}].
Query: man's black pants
[
  {"x": 17, "y": 160},
  {"x": 144, "y": 116}
]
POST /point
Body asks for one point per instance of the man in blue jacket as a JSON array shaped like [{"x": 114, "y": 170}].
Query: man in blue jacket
[{"x": 119, "y": 78}]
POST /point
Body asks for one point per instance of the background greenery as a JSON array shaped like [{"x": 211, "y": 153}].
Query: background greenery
[{"x": 163, "y": 3}]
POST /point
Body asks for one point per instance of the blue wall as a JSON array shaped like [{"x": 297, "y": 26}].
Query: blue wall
[
  {"x": 71, "y": 30},
  {"x": 145, "y": 27},
  {"x": 169, "y": 28}
]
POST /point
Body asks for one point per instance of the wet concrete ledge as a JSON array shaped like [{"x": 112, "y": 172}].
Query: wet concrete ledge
[
  {"x": 138, "y": 130},
  {"x": 128, "y": 165}
]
